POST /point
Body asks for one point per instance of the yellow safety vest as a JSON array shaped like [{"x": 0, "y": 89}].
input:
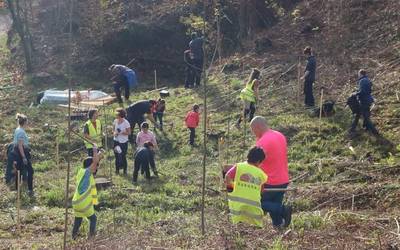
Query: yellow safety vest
[
  {"x": 95, "y": 134},
  {"x": 83, "y": 204},
  {"x": 247, "y": 94},
  {"x": 245, "y": 200}
]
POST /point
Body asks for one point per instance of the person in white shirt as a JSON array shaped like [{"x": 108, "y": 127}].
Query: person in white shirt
[{"x": 122, "y": 130}]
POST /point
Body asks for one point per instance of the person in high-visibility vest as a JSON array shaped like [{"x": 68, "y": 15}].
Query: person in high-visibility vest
[
  {"x": 93, "y": 131},
  {"x": 85, "y": 196},
  {"x": 247, "y": 180},
  {"x": 249, "y": 96}
]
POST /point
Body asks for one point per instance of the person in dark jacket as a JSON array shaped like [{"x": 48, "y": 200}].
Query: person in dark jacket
[
  {"x": 309, "y": 77},
  {"x": 144, "y": 158},
  {"x": 135, "y": 114},
  {"x": 365, "y": 98},
  {"x": 124, "y": 78},
  {"x": 11, "y": 161},
  {"x": 196, "y": 47}
]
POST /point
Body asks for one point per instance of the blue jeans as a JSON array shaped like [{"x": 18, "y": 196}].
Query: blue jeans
[{"x": 272, "y": 202}]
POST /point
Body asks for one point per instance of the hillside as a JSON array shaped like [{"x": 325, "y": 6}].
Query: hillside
[{"x": 348, "y": 193}]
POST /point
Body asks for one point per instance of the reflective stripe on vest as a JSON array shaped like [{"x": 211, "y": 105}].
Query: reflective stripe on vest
[
  {"x": 84, "y": 210},
  {"x": 244, "y": 201},
  {"x": 247, "y": 94},
  {"x": 247, "y": 214},
  {"x": 95, "y": 134},
  {"x": 83, "y": 204}
]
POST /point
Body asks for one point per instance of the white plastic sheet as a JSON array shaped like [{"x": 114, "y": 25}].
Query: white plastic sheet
[{"x": 61, "y": 96}]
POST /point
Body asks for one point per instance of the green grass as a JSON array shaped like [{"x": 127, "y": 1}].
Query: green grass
[{"x": 172, "y": 203}]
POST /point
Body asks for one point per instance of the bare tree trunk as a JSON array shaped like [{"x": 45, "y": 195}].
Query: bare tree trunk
[{"x": 21, "y": 25}]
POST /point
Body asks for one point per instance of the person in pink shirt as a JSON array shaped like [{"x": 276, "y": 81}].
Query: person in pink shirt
[
  {"x": 145, "y": 135},
  {"x": 275, "y": 166},
  {"x": 192, "y": 121}
]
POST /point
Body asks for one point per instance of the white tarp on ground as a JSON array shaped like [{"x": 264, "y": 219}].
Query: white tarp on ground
[{"x": 61, "y": 96}]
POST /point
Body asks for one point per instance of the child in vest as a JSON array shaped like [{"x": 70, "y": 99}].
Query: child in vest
[
  {"x": 158, "y": 112},
  {"x": 93, "y": 131},
  {"x": 85, "y": 196},
  {"x": 145, "y": 135},
  {"x": 249, "y": 96},
  {"x": 245, "y": 181},
  {"x": 192, "y": 121}
]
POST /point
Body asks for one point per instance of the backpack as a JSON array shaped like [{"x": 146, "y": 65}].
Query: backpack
[
  {"x": 328, "y": 109},
  {"x": 354, "y": 104},
  {"x": 131, "y": 77}
]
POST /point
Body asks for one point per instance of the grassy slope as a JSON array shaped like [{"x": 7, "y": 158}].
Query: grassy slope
[{"x": 167, "y": 213}]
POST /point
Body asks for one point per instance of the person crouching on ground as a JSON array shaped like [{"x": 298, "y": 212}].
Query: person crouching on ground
[
  {"x": 85, "y": 196},
  {"x": 192, "y": 121},
  {"x": 247, "y": 180},
  {"x": 143, "y": 158},
  {"x": 122, "y": 130}
]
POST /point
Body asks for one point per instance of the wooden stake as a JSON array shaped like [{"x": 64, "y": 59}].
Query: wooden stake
[
  {"x": 155, "y": 79},
  {"x": 203, "y": 186},
  {"x": 244, "y": 134},
  {"x": 320, "y": 110},
  {"x": 57, "y": 152},
  {"x": 66, "y": 205},
  {"x": 298, "y": 81},
  {"x": 397, "y": 96},
  {"x": 228, "y": 138},
  {"x": 18, "y": 200}
]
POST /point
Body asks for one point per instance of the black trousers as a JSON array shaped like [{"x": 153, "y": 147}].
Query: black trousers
[
  {"x": 198, "y": 63},
  {"x": 365, "y": 112},
  {"x": 78, "y": 222},
  {"x": 190, "y": 75},
  {"x": 308, "y": 93},
  {"x": 117, "y": 89},
  {"x": 137, "y": 121},
  {"x": 26, "y": 171},
  {"x": 159, "y": 116},
  {"x": 250, "y": 111},
  {"x": 142, "y": 162},
  {"x": 120, "y": 159},
  {"x": 192, "y": 136}
]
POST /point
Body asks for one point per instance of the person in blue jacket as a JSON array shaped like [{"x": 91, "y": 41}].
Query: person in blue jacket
[
  {"x": 365, "y": 98},
  {"x": 124, "y": 78}
]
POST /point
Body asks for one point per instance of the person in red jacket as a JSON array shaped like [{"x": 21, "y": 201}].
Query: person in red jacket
[{"x": 192, "y": 121}]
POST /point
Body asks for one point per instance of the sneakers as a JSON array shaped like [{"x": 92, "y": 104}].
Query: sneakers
[{"x": 287, "y": 216}]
